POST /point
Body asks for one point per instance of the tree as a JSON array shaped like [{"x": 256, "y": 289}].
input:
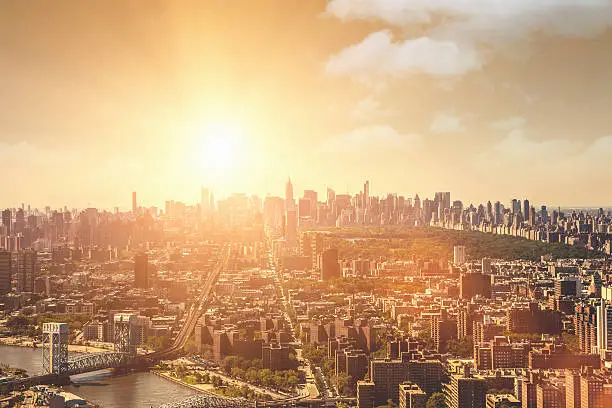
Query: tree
[
  {"x": 17, "y": 324},
  {"x": 390, "y": 404},
  {"x": 437, "y": 400},
  {"x": 461, "y": 348}
]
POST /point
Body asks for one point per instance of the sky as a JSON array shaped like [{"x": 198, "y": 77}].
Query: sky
[{"x": 488, "y": 99}]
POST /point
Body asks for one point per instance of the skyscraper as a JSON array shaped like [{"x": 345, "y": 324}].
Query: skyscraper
[
  {"x": 5, "y": 272},
  {"x": 28, "y": 269},
  {"x": 205, "y": 202},
  {"x": 459, "y": 255},
  {"x": 544, "y": 214},
  {"x": 289, "y": 202},
  {"x": 291, "y": 227},
  {"x": 516, "y": 206},
  {"x": 313, "y": 197},
  {"x": 329, "y": 265},
  {"x": 141, "y": 271},
  {"x": 604, "y": 326},
  {"x": 526, "y": 209},
  {"x": 366, "y": 194},
  {"x": 6, "y": 220},
  {"x": 134, "y": 203}
]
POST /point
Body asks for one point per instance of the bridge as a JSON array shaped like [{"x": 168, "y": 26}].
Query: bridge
[
  {"x": 209, "y": 400},
  {"x": 59, "y": 366}
]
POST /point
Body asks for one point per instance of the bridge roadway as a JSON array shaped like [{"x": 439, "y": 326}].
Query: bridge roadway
[
  {"x": 100, "y": 361},
  {"x": 210, "y": 400}
]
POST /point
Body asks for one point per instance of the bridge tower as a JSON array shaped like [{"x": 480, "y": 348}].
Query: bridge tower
[
  {"x": 55, "y": 348},
  {"x": 125, "y": 340}
]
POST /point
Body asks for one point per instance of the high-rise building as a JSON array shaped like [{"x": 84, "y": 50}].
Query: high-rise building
[
  {"x": 516, "y": 206},
  {"x": 568, "y": 286},
  {"x": 365, "y": 394},
  {"x": 473, "y": 283},
  {"x": 7, "y": 221},
  {"x": 20, "y": 221},
  {"x": 486, "y": 266},
  {"x": 134, "y": 203},
  {"x": 526, "y": 209},
  {"x": 366, "y": 194},
  {"x": 411, "y": 396},
  {"x": 28, "y": 270},
  {"x": 443, "y": 199},
  {"x": 604, "y": 326},
  {"x": 550, "y": 395},
  {"x": 459, "y": 255},
  {"x": 141, "y": 270},
  {"x": 572, "y": 389},
  {"x": 5, "y": 272},
  {"x": 330, "y": 268},
  {"x": 465, "y": 321},
  {"x": 466, "y": 391},
  {"x": 291, "y": 229},
  {"x": 592, "y": 392},
  {"x": 304, "y": 208},
  {"x": 313, "y": 199},
  {"x": 544, "y": 214},
  {"x": 206, "y": 205},
  {"x": 585, "y": 323},
  {"x": 443, "y": 329},
  {"x": 289, "y": 202}
]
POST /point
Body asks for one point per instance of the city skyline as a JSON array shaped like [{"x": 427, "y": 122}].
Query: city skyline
[
  {"x": 134, "y": 200},
  {"x": 146, "y": 96},
  {"x": 306, "y": 203}
]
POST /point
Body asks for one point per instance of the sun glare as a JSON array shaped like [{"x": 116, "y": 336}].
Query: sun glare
[{"x": 221, "y": 148}]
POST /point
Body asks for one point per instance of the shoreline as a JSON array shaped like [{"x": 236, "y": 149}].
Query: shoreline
[
  {"x": 175, "y": 380},
  {"x": 29, "y": 343}
]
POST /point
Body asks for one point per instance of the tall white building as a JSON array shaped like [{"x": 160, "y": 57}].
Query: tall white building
[
  {"x": 459, "y": 255},
  {"x": 604, "y": 326}
]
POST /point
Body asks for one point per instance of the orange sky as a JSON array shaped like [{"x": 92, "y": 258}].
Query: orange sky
[{"x": 101, "y": 98}]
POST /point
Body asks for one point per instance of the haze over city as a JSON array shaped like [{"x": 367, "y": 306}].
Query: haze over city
[
  {"x": 114, "y": 97},
  {"x": 305, "y": 203}
]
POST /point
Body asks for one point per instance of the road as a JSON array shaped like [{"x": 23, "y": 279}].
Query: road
[{"x": 308, "y": 390}]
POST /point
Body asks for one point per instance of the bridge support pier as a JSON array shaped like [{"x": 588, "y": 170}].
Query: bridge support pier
[{"x": 55, "y": 348}]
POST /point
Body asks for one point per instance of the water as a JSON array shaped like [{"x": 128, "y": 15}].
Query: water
[{"x": 140, "y": 389}]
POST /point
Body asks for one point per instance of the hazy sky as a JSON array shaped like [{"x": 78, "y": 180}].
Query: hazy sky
[{"x": 490, "y": 99}]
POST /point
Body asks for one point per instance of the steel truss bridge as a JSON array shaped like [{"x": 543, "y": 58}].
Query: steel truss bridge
[
  {"x": 209, "y": 401},
  {"x": 94, "y": 362},
  {"x": 59, "y": 366},
  {"x": 215, "y": 401}
]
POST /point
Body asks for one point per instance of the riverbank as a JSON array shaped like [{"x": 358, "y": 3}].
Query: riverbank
[
  {"x": 139, "y": 389},
  {"x": 28, "y": 342},
  {"x": 208, "y": 388},
  {"x": 201, "y": 388}
]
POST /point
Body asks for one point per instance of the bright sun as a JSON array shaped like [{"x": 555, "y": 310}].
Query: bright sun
[{"x": 221, "y": 148}]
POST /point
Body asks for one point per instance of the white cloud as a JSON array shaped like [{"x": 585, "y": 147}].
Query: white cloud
[
  {"x": 446, "y": 123},
  {"x": 518, "y": 145},
  {"x": 372, "y": 138},
  {"x": 369, "y": 109},
  {"x": 459, "y": 33},
  {"x": 379, "y": 54},
  {"x": 509, "y": 123},
  {"x": 490, "y": 20},
  {"x": 395, "y": 12}
]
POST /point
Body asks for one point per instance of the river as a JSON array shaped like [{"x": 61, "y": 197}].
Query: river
[{"x": 141, "y": 389}]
